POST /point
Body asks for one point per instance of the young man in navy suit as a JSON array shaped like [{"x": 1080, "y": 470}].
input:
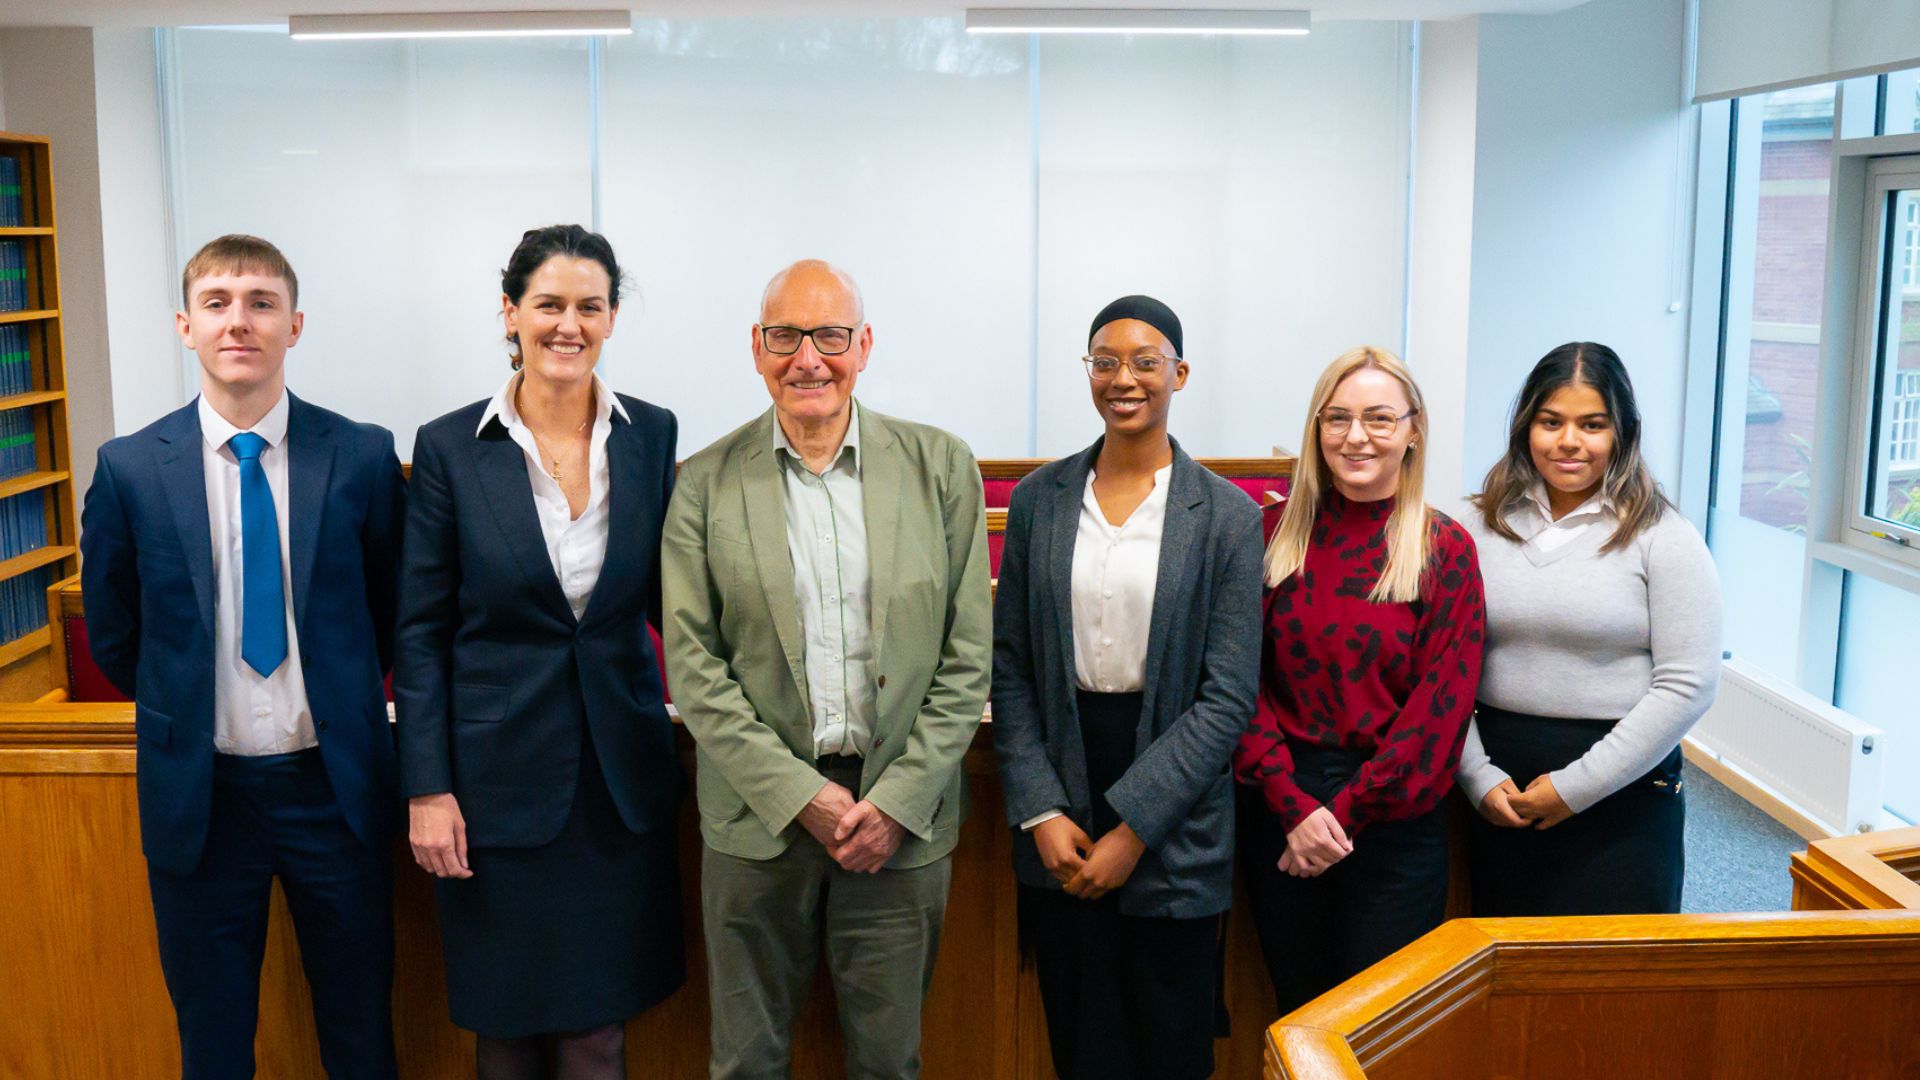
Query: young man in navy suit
[{"x": 239, "y": 561}]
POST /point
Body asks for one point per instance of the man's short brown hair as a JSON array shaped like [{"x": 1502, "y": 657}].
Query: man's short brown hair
[{"x": 238, "y": 252}]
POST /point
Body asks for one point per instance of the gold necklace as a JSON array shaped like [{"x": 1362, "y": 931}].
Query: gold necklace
[{"x": 542, "y": 447}]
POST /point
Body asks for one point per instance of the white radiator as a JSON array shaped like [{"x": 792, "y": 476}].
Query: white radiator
[
  {"x": 1811, "y": 754},
  {"x": 1815, "y": 756}
]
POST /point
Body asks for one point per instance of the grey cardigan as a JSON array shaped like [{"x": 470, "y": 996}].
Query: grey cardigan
[{"x": 1202, "y": 674}]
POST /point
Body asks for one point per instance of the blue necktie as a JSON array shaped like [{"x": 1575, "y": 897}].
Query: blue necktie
[{"x": 263, "y": 608}]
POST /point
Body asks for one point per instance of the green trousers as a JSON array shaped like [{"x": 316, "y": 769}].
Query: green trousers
[{"x": 766, "y": 922}]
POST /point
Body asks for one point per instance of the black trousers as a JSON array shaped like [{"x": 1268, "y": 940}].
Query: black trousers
[
  {"x": 1317, "y": 932},
  {"x": 1624, "y": 855},
  {"x": 1125, "y": 996},
  {"x": 276, "y": 816}
]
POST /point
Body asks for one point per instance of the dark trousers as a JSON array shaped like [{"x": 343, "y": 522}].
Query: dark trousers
[
  {"x": 1624, "y": 855},
  {"x": 1317, "y": 932},
  {"x": 276, "y": 816},
  {"x": 1125, "y": 996}
]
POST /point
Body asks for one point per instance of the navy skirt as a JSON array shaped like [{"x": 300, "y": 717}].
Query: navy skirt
[
  {"x": 1624, "y": 855},
  {"x": 575, "y": 934}
]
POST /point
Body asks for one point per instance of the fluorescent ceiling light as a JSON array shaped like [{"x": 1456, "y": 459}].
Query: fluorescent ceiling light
[
  {"x": 459, "y": 24},
  {"x": 1133, "y": 21}
]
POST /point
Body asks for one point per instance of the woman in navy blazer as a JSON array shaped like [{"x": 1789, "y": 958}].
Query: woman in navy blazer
[
  {"x": 535, "y": 748},
  {"x": 1125, "y": 663}
]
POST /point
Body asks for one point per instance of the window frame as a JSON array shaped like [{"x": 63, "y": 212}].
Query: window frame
[{"x": 1880, "y": 243}]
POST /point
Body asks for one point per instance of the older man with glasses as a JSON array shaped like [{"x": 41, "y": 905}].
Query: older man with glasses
[{"x": 828, "y": 645}]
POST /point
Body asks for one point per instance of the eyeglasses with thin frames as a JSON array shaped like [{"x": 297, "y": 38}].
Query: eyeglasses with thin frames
[
  {"x": 827, "y": 340},
  {"x": 1144, "y": 366},
  {"x": 1379, "y": 423}
]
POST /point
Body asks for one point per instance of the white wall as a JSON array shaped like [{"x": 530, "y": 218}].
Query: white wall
[
  {"x": 1579, "y": 161},
  {"x": 136, "y": 251},
  {"x": 1441, "y": 247},
  {"x": 49, "y": 90},
  {"x": 1259, "y": 187}
]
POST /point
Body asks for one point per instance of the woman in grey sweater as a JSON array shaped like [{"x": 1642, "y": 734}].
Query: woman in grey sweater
[{"x": 1603, "y": 648}]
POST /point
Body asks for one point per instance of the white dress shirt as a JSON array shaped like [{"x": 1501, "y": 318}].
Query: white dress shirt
[
  {"x": 577, "y": 547},
  {"x": 1533, "y": 519},
  {"x": 833, "y": 590},
  {"x": 1115, "y": 570},
  {"x": 252, "y": 715}
]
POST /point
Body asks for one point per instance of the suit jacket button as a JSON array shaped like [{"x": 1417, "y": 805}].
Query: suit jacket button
[
  {"x": 305, "y": 659},
  {"x": 883, "y": 682},
  {"x": 320, "y": 725}
]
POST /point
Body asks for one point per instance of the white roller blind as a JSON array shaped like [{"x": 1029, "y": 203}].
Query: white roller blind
[{"x": 1746, "y": 46}]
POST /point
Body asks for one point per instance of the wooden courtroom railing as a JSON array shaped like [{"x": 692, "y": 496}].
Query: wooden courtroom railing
[
  {"x": 1780, "y": 996},
  {"x": 1875, "y": 871},
  {"x": 81, "y": 994}
]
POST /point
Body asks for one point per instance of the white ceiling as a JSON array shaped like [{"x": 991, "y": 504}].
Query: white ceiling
[{"x": 15, "y": 13}]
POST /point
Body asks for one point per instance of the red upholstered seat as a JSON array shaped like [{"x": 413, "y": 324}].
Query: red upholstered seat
[
  {"x": 998, "y": 492},
  {"x": 85, "y": 681}
]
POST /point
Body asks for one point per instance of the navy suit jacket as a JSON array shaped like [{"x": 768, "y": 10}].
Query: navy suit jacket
[
  {"x": 147, "y": 574},
  {"x": 493, "y": 675}
]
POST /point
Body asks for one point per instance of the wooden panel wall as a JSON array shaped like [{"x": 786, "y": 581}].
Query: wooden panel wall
[{"x": 81, "y": 995}]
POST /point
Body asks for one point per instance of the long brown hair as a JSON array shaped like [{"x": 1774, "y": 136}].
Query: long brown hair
[
  {"x": 1409, "y": 523},
  {"x": 1628, "y": 483}
]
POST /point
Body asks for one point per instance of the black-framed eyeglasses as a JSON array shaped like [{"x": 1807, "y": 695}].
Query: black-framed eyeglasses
[
  {"x": 1144, "y": 366},
  {"x": 1379, "y": 423},
  {"x": 827, "y": 340}
]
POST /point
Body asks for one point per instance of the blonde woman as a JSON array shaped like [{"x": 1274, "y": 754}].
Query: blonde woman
[{"x": 1374, "y": 624}]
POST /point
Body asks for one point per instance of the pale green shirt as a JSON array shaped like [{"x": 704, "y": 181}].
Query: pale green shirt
[{"x": 833, "y": 588}]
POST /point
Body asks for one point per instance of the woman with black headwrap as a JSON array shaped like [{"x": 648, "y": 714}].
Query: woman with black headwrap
[{"x": 1125, "y": 666}]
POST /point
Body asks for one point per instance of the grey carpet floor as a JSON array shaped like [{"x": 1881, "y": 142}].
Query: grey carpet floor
[{"x": 1736, "y": 854}]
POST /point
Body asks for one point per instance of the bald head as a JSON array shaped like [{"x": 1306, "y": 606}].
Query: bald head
[{"x": 814, "y": 284}]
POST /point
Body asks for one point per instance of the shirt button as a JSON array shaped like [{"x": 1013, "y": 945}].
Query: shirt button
[
  {"x": 1106, "y": 641},
  {"x": 1108, "y": 594}
]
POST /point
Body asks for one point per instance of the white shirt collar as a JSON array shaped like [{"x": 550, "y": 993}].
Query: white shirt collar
[
  {"x": 605, "y": 404},
  {"x": 217, "y": 429},
  {"x": 851, "y": 441},
  {"x": 1596, "y": 505}
]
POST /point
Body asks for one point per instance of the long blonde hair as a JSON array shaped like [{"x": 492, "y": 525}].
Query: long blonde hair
[{"x": 1409, "y": 524}]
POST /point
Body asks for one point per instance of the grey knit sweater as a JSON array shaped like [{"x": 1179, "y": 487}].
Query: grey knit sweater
[{"x": 1632, "y": 635}]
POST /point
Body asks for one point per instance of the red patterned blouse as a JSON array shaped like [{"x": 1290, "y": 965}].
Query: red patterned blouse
[{"x": 1394, "y": 681}]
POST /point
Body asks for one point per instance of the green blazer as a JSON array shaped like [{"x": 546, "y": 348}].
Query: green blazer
[{"x": 734, "y": 643}]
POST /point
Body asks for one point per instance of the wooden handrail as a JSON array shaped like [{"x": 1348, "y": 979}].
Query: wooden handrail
[
  {"x": 1467, "y": 962},
  {"x": 1865, "y": 872}
]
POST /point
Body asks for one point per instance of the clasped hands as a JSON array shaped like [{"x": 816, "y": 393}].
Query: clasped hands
[
  {"x": 1538, "y": 807},
  {"x": 859, "y": 835},
  {"x": 1085, "y": 868}
]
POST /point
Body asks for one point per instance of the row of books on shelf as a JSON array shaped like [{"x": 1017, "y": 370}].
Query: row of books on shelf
[
  {"x": 13, "y": 274},
  {"x": 23, "y": 524},
  {"x": 16, "y": 360},
  {"x": 23, "y": 603},
  {"x": 11, "y": 206},
  {"x": 18, "y": 454}
]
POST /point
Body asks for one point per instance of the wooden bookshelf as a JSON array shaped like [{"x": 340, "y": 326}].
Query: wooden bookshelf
[{"x": 27, "y": 654}]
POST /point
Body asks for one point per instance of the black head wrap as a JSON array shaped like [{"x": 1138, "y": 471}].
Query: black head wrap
[{"x": 1147, "y": 310}]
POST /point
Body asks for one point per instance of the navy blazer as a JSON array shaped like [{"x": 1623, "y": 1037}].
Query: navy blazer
[
  {"x": 1202, "y": 675},
  {"x": 493, "y": 674},
  {"x": 147, "y": 574}
]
